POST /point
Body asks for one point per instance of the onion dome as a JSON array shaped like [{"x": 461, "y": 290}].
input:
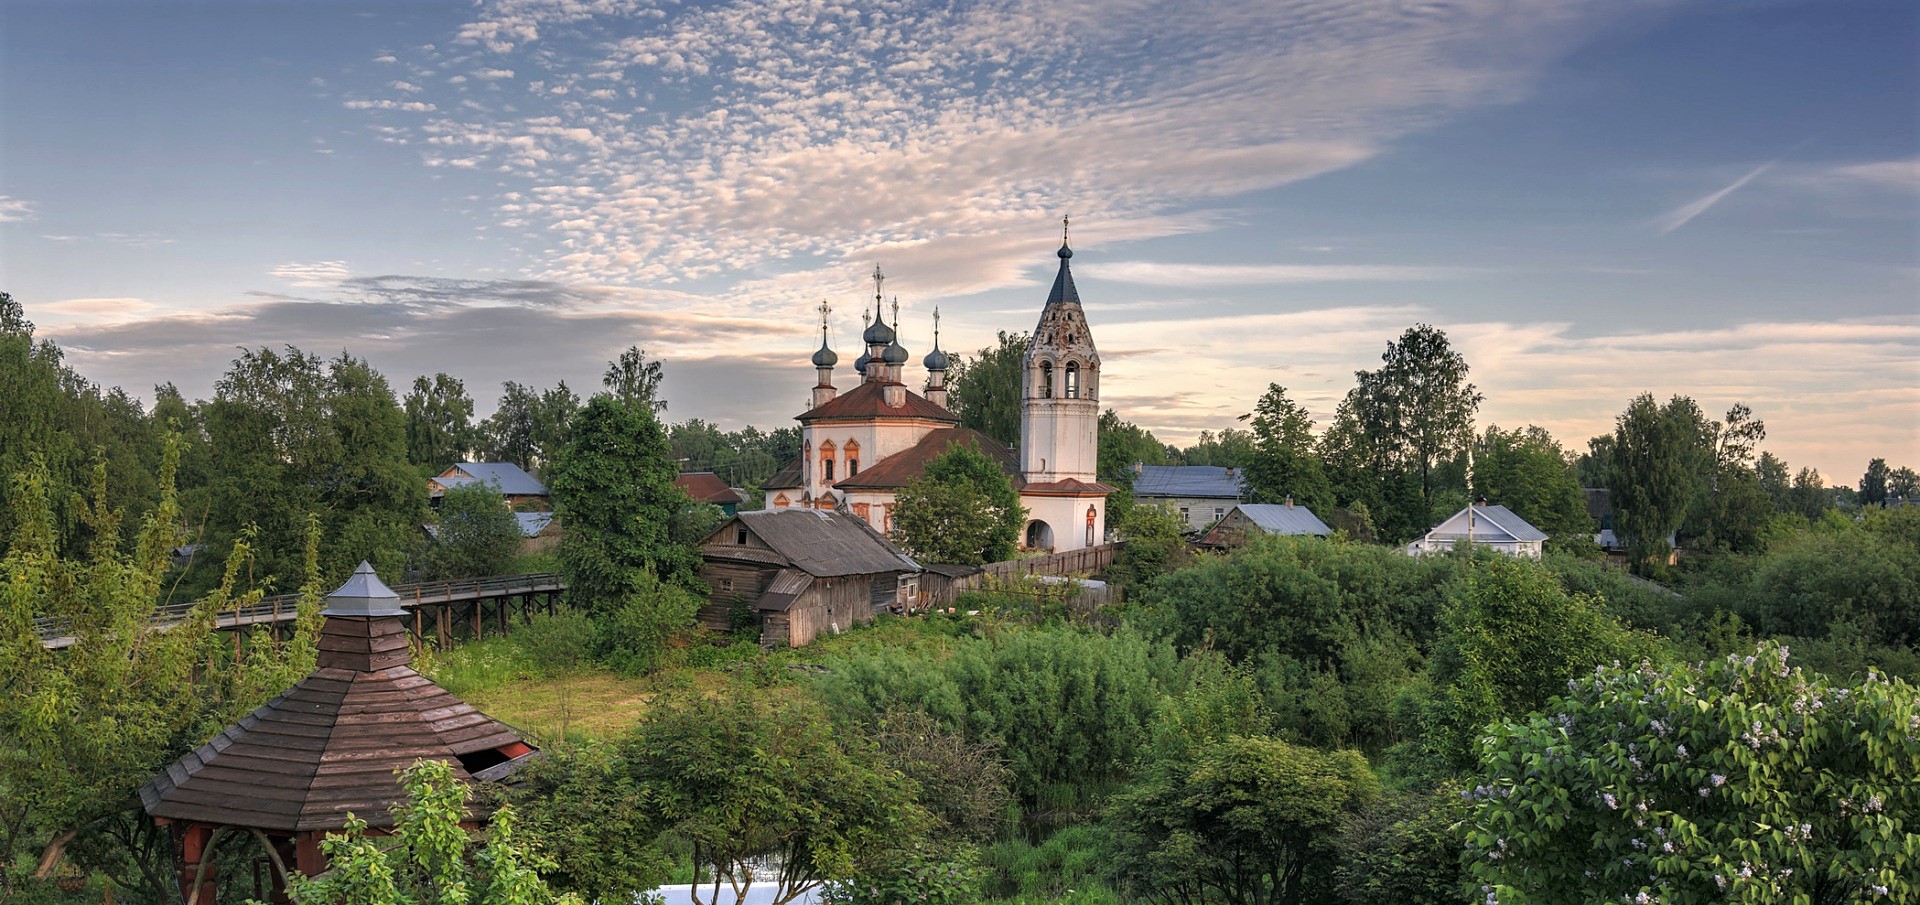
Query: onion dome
[
  {"x": 825, "y": 358},
  {"x": 936, "y": 360},
  {"x": 878, "y": 333},
  {"x": 860, "y": 364},
  {"x": 895, "y": 354}
]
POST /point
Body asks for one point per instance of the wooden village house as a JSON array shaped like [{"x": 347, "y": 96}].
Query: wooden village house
[
  {"x": 799, "y": 572},
  {"x": 291, "y": 771},
  {"x": 706, "y": 487},
  {"x": 1496, "y": 527},
  {"x": 1247, "y": 520}
]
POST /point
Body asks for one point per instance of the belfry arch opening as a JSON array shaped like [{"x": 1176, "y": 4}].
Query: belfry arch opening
[
  {"x": 1046, "y": 380},
  {"x": 1039, "y": 535}
]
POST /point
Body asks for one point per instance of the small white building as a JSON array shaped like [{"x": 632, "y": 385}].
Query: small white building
[{"x": 1495, "y": 527}]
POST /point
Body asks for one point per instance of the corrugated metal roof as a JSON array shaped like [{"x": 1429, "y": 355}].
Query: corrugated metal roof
[
  {"x": 786, "y": 587},
  {"x": 822, "y": 542},
  {"x": 1189, "y": 481},
  {"x": 1276, "y": 518},
  {"x": 868, "y": 400},
  {"x": 506, "y": 476},
  {"x": 532, "y": 523},
  {"x": 1488, "y": 520}
]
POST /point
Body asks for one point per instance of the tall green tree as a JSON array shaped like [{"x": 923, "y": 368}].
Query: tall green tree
[
  {"x": 1398, "y": 425},
  {"x": 634, "y": 379},
  {"x": 1903, "y": 483},
  {"x": 440, "y": 429},
  {"x": 1526, "y": 470},
  {"x": 985, "y": 388},
  {"x": 1775, "y": 478},
  {"x": 614, "y": 494},
  {"x": 1873, "y": 484},
  {"x": 51, "y": 413},
  {"x": 289, "y": 437},
  {"x": 1285, "y": 464},
  {"x": 1659, "y": 455},
  {"x": 1740, "y": 780},
  {"x": 529, "y": 426},
  {"x": 1809, "y": 496},
  {"x": 962, "y": 510}
]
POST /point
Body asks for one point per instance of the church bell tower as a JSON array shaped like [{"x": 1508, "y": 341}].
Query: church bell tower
[{"x": 1060, "y": 394}]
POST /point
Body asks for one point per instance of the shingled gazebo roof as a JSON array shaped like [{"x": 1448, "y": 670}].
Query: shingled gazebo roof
[{"x": 332, "y": 743}]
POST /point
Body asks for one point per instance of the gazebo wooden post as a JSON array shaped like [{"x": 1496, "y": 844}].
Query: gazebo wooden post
[
  {"x": 195, "y": 841},
  {"x": 308, "y": 859}
]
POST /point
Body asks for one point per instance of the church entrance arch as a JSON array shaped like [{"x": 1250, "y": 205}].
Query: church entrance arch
[{"x": 1039, "y": 535}]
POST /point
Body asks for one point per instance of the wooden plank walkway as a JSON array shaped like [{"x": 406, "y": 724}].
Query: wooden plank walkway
[{"x": 282, "y": 608}]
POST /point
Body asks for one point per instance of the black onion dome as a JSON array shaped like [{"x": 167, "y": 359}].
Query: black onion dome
[
  {"x": 1064, "y": 252},
  {"x": 936, "y": 360},
  {"x": 825, "y": 358}
]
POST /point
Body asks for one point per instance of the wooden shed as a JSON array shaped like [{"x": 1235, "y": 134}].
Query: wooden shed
[
  {"x": 800, "y": 572},
  {"x": 291, "y": 771}
]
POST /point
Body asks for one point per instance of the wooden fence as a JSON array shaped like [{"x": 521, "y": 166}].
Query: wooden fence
[{"x": 1069, "y": 564}]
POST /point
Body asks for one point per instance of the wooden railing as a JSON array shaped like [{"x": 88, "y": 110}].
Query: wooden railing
[{"x": 285, "y": 607}]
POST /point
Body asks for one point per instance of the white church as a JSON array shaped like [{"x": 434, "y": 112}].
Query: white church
[{"x": 860, "y": 447}]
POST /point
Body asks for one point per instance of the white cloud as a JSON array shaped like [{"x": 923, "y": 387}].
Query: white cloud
[
  {"x": 1897, "y": 174},
  {"x": 1154, "y": 273},
  {"x": 15, "y": 210},
  {"x": 385, "y": 104},
  {"x": 408, "y": 87},
  {"x": 100, "y": 310},
  {"x": 770, "y": 126},
  {"x": 311, "y": 274}
]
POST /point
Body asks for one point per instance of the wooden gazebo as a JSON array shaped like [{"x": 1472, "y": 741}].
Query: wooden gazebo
[{"x": 291, "y": 771}]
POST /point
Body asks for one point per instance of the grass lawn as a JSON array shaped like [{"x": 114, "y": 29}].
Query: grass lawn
[{"x": 501, "y": 679}]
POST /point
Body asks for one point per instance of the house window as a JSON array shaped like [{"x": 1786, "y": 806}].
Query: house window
[
  {"x": 1073, "y": 380},
  {"x": 1046, "y": 380},
  {"x": 1218, "y": 513},
  {"x": 1183, "y": 513},
  {"x": 726, "y": 584},
  {"x": 853, "y": 467},
  {"x": 740, "y": 537}
]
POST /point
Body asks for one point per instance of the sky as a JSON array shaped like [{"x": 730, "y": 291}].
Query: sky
[{"x": 1593, "y": 200}]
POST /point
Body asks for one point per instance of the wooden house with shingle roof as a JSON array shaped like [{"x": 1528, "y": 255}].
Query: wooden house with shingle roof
[
  {"x": 294, "y": 769},
  {"x": 801, "y": 572}
]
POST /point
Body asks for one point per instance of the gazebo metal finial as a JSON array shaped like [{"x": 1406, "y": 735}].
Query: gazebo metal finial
[{"x": 363, "y": 595}]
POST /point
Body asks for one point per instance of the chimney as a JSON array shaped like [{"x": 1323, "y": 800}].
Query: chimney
[
  {"x": 1139, "y": 468},
  {"x": 1289, "y": 501}
]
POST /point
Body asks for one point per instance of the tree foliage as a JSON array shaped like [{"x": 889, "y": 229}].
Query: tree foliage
[
  {"x": 87, "y": 725},
  {"x": 739, "y": 779},
  {"x": 1247, "y": 821},
  {"x": 1526, "y": 471},
  {"x": 1658, "y": 455},
  {"x": 476, "y": 535},
  {"x": 961, "y": 510},
  {"x": 635, "y": 379},
  {"x": 440, "y": 429},
  {"x": 529, "y": 427},
  {"x": 613, "y": 490},
  {"x": 985, "y": 388},
  {"x": 1285, "y": 464},
  {"x": 435, "y": 862},
  {"x": 1739, "y": 780}
]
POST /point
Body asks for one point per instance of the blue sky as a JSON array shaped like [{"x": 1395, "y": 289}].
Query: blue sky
[{"x": 1593, "y": 200}]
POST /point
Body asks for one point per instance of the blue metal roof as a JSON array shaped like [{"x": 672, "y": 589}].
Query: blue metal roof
[
  {"x": 1189, "y": 481},
  {"x": 506, "y": 476},
  {"x": 532, "y": 523},
  {"x": 1277, "y": 518},
  {"x": 1487, "y": 521}
]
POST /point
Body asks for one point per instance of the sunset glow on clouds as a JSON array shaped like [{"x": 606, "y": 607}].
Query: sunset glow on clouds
[{"x": 1261, "y": 192}]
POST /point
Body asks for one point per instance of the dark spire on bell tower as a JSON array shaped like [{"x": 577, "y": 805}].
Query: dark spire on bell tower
[{"x": 1063, "y": 290}]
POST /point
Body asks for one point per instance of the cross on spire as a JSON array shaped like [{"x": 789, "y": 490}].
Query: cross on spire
[
  {"x": 878, "y": 278},
  {"x": 1065, "y": 222},
  {"x": 896, "y": 312},
  {"x": 824, "y": 311},
  {"x": 936, "y": 326}
]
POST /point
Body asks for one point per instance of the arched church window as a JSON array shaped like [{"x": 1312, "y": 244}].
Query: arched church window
[
  {"x": 852, "y": 450},
  {"x": 853, "y": 467},
  {"x": 1046, "y": 380},
  {"x": 826, "y": 467},
  {"x": 1073, "y": 380}
]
